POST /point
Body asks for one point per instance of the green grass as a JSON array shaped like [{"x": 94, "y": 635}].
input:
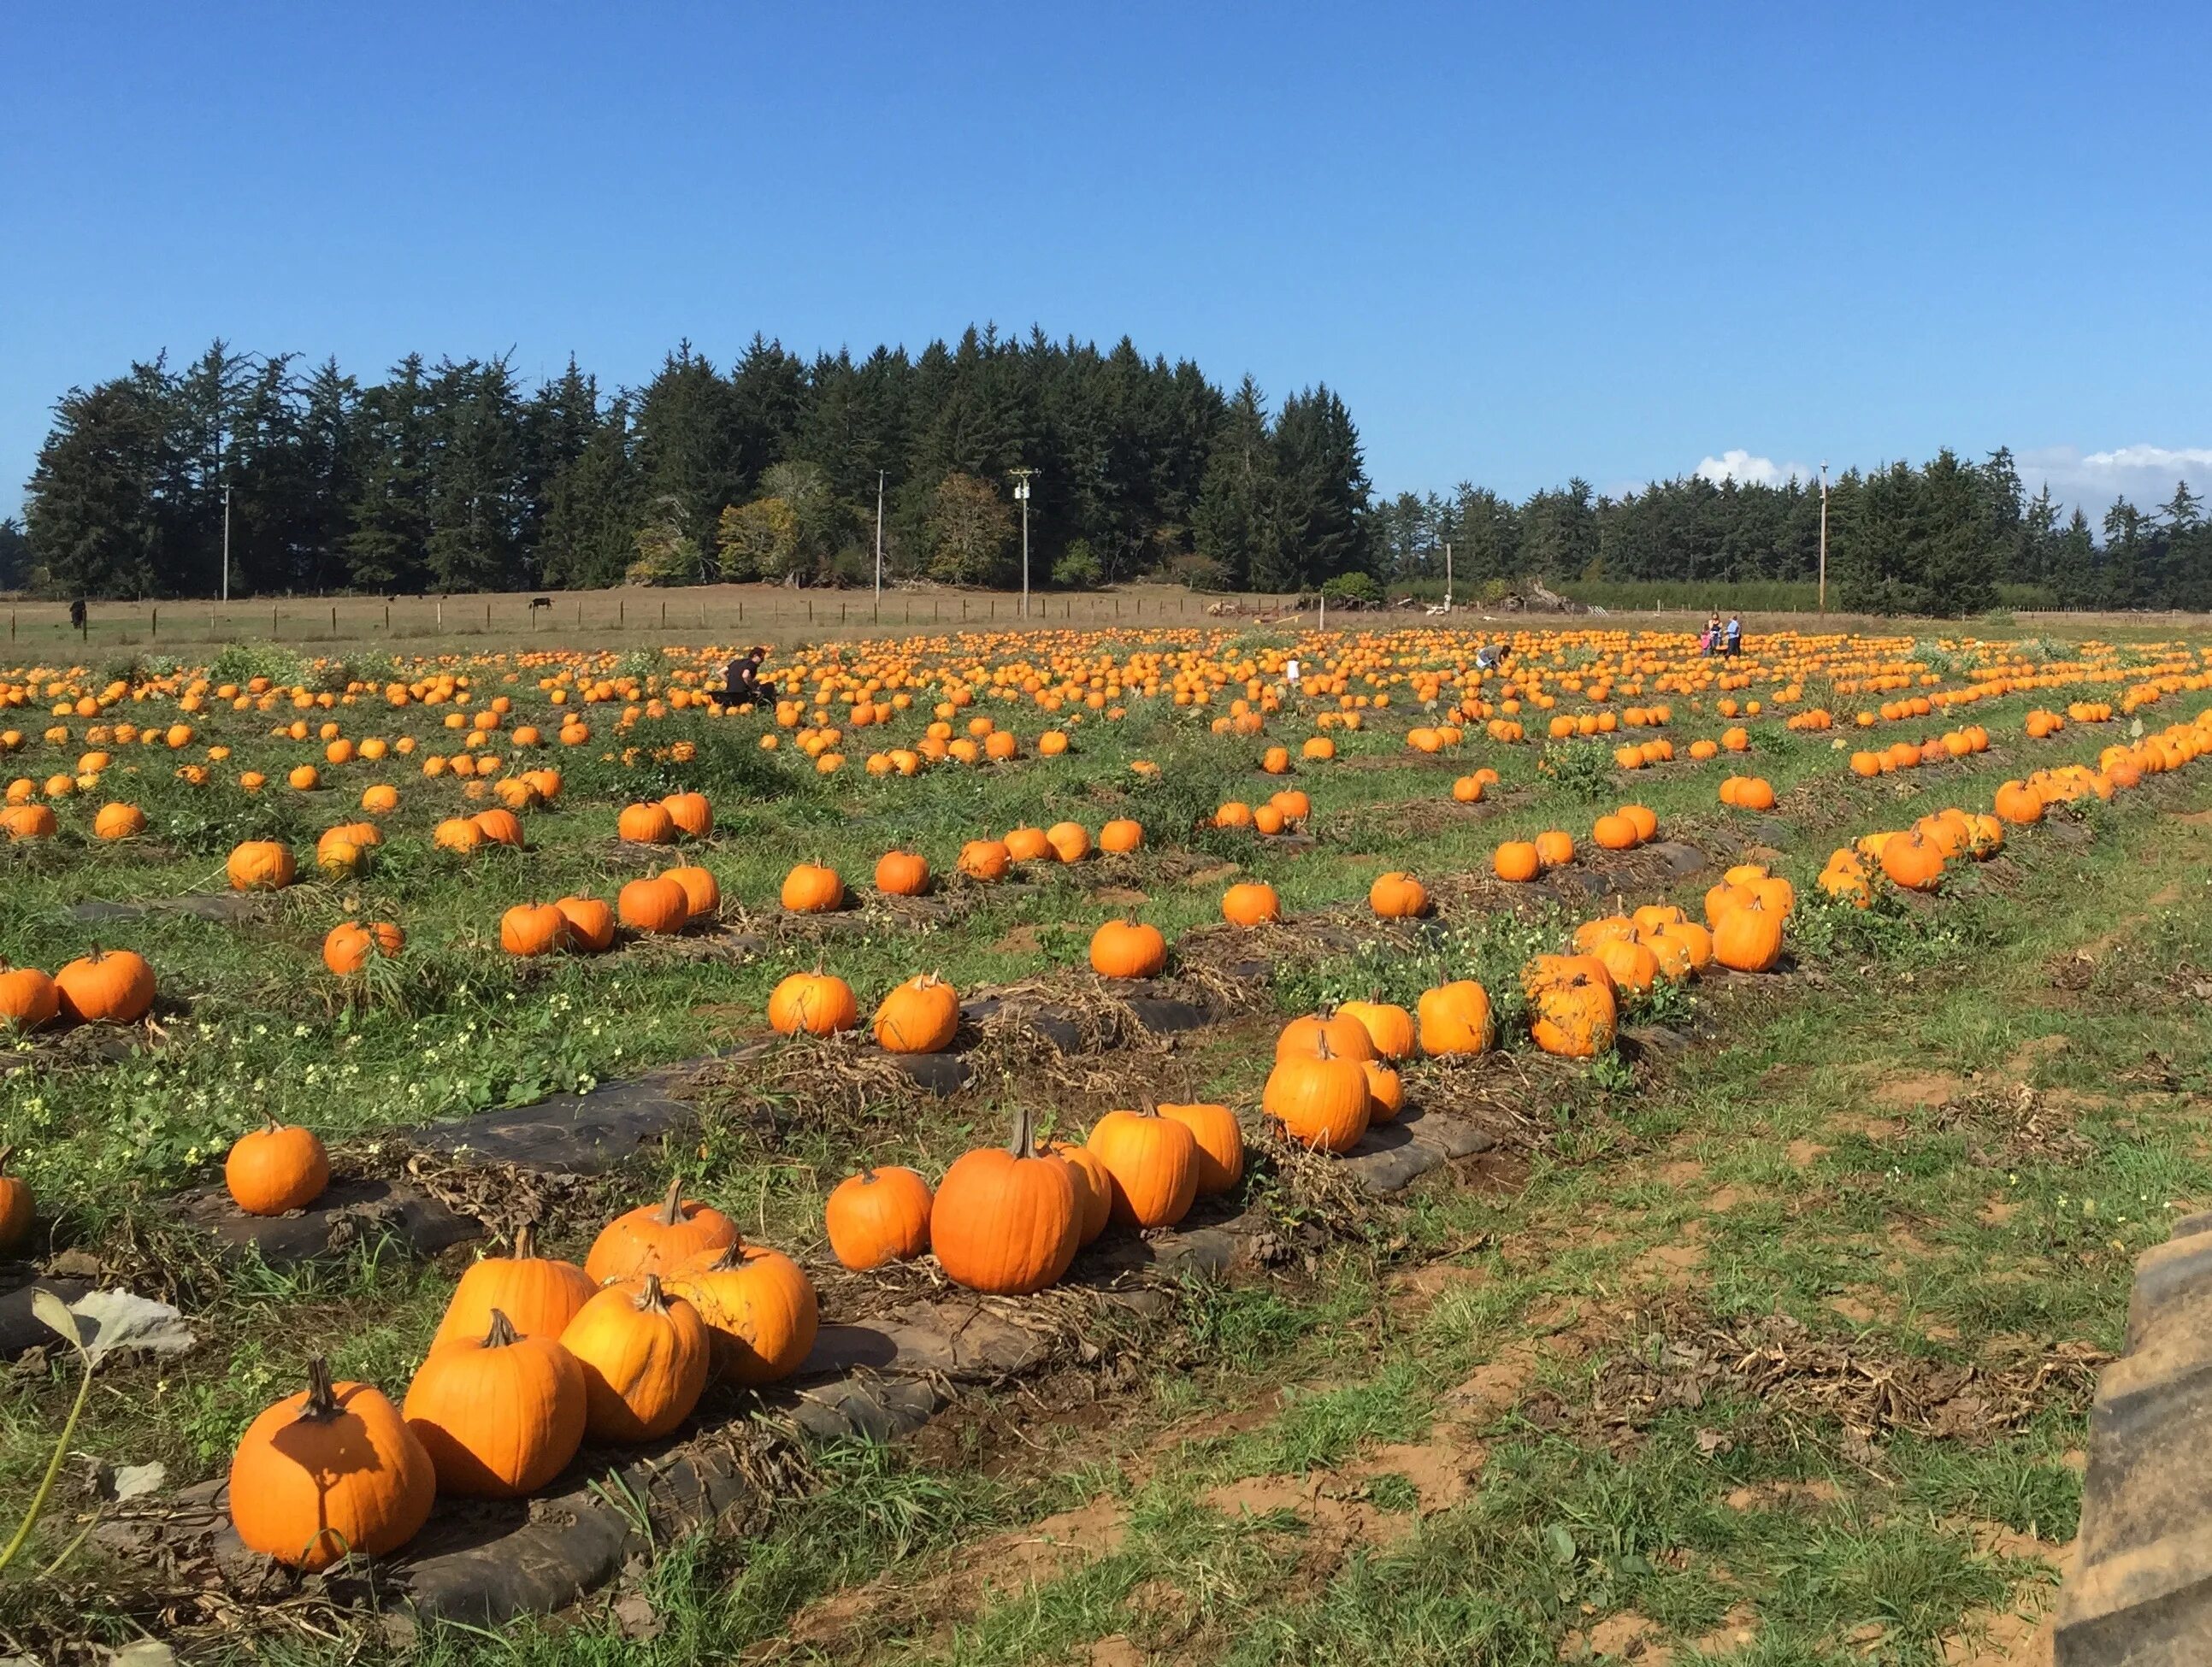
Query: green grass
[{"x": 1564, "y": 1527}]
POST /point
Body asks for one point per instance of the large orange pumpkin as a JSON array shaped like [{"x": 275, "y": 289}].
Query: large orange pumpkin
[
  {"x": 879, "y": 1215},
  {"x": 1152, "y": 1162},
  {"x": 276, "y": 1168},
  {"x": 1220, "y": 1145},
  {"x": 540, "y": 1295},
  {"x": 658, "y": 1238},
  {"x": 759, "y": 1308},
  {"x": 1321, "y": 1100},
  {"x": 646, "y": 1357},
  {"x": 1005, "y": 1219},
  {"x": 921, "y": 1015},
  {"x": 501, "y": 1415},
  {"x": 331, "y": 1472}
]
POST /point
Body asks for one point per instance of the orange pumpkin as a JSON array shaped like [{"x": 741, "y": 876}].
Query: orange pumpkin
[
  {"x": 1005, "y": 1219},
  {"x": 1220, "y": 1145},
  {"x": 879, "y": 1215},
  {"x": 921, "y": 1015},
  {"x": 902, "y": 873},
  {"x": 1152, "y": 1162},
  {"x": 275, "y": 1169},
  {"x": 1127, "y": 949},
  {"x": 658, "y": 1238},
  {"x": 760, "y": 1310},
  {"x": 331, "y": 1472},
  {"x": 646, "y": 1357},
  {"x": 500, "y": 1414}
]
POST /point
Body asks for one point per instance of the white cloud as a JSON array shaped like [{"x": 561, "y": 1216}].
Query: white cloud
[
  {"x": 2144, "y": 475},
  {"x": 1739, "y": 465}
]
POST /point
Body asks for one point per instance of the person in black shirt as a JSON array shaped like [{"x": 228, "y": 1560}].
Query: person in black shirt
[{"x": 741, "y": 684}]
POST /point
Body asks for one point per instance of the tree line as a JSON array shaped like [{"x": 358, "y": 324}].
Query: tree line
[
  {"x": 1951, "y": 537},
  {"x": 456, "y": 476}
]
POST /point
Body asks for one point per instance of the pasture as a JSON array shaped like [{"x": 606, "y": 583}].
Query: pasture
[{"x": 1724, "y": 1278}]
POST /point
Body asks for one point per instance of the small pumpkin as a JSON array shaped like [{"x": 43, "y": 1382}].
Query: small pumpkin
[
  {"x": 118, "y": 821},
  {"x": 1128, "y": 949},
  {"x": 1555, "y": 848},
  {"x": 1397, "y": 896},
  {"x": 986, "y": 859},
  {"x": 1121, "y": 835},
  {"x": 655, "y": 905},
  {"x": 28, "y": 998},
  {"x": 902, "y": 873},
  {"x": 1516, "y": 862},
  {"x": 646, "y": 824},
  {"x": 108, "y": 986},
  {"x": 1747, "y": 938},
  {"x": 818, "y": 1004},
  {"x": 1386, "y": 1092},
  {"x": 1152, "y": 1162},
  {"x": 879, "y": 1215},
  {"x": 1220, "y": 1143},
  {"x": 533, "y": 928},
  {"x": 1321, "y": 1100},
  {"x": 18, "y": 1208},
  {"x": 1390, "y": 1027},
  {"x": 1346, "y": 1037},
  {"x": 499, "y": 1415},
  {"x": 658, "y": 1238},
  {"x": 1027, "y": 844},
  {"x": 921, "y": 1015},
  {"x": 1094, "y": 1187},
  {"x": 1456, "y": 1019},
  {"x": 703, "y": 894},
  {"x": 760, "y": 1310},
  {"x": 260, "y": 865},
  {"x": 692, "y": 813},
  {"x": 331, "y": 1472},
  {"x": 276, "y": 1168},
  {"x": 1070, "y": 841},
  {"x": 1250, "y": 903},
  {"x": 646, "y": 1358},
  {"x": 1005, "y": 1219},
  {"x": 1572, "y": 1011},
  {"x": 591, "y": 923},
  {"x": 812, "y": 888},
  {"x": 350, "y": 946},
  {"x": 540, "y": 1295}
]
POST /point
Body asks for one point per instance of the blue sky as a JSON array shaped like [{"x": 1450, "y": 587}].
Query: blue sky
[{"x": 1524, "y": 242}]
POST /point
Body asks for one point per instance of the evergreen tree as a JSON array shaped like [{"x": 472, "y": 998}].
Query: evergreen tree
[
  {"x": 387, "y": 542},
  {"x": 594, "y": 506},
  {"x": 475, "y": 483},
  {"x": 1324, "y": 505},
  {"x": 1236, "y": 527},
  {"x": 93, "y": 515}
]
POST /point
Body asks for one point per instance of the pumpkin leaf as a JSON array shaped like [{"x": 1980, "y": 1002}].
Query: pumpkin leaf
[
  {"x": 54, "y": 1314},
  {"x": 121, "y": 1320}
]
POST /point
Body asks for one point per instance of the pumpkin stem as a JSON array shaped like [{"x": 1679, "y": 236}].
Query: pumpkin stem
[
  {"x": 322, "y": 1398},
  {"x": 502, "y": 1331},
  {"x": 1024, "y": 1144},
  {"x": 525, "y": 1242},
  {"x": 1322, "y": 1047},
  {"x": 6, "y": 1153},
  {"x": 650, "y": 1300},
  {"x": 671, "y": 1207}
]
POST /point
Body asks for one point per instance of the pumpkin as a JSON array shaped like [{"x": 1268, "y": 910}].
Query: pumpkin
[
  {"x": 1386, "y": 1092},
  {"x": 1390, "y": 1027},
  {"x": 1220, "y": 1145},
  {"x": 1912, "y": 861},
  {"x": 1643, "y": 819},
  {"x": 350, "y": 946},
  {"x": 591, "y": 923},
  {"x": 691, "y": 814},
  {"x": 921, "y": 1015},
  {"x": 1748, "y": 938},
  {"x": 902, "y": 873},
  {"x": 1456, "y": 1019},
  {"x": 2019, "y": 804},
  {"x": 1605, "y": 930},
  {"x": 1121, "y": 835},
  {"x": 1614, "y": 832},
  {"x": 658, "y": 905},
  {"x": 1346, "y": 1037},
  {"x": 118, "y": 821},
  {"x": 260, "y": 865},
  {"x": 108, "y": 986},
  {"x": 1572, "y": 1011},
  {"x": 1250, "y": 903},
  {"x": 1127, "y": 949},
  {"x": 28, "y": 998},
  {"x": 331, "y": 1472},
  {"x": 540, "y": 1295},
  {"x": 456, "y": 834},
  {"x": 1070, "y": 841},
  {"x": 533, "y": 928},
  {"x": 500, "y": 826},
  {"x": 1005, "y": 1221},
  {"x": 1094, "y": 1188},
  {"x": 658, "y": 1238},
  {"x": 818, "y": 1004},
  {"x": 986, "y": 859},
  {"x": 18, "y": 1208},
  {"x": 276, "y": 1168},
  {"x": 1397, "y": 896},
  {"x": 645, "y": 1356},
  {"x": 810, "y": 888},
  {"x": 1554, "y": 849},
  {"x": 1152, "y": 1162},
  {"x": 646, "y": 824},
  {"x": 1321, "y": 1100},
  {"x": 1292, "y": 802},
  {"x": 500, "y": 1415},
  {"x": 1516, "y": 861},
  {"x": 703, "y": 894},
  {"x": 759, "y": 1308},
  {"x": 1630, "y": 964},
  {"x": 1027, "y": 844},
  {"x": 879, "y": 1215}
]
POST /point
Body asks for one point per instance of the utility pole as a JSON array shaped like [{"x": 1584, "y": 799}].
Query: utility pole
[
  {"x": 879, "y": 538},
  {"x": 1022, "y": 496},
  {"x": 1447, "y": 575},
  {"x": 1824, "y": 538},
  {"x": 226, "y": 543}
]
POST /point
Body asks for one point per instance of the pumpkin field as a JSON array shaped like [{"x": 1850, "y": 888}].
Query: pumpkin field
[{"x": 1067, "y": 1146}]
